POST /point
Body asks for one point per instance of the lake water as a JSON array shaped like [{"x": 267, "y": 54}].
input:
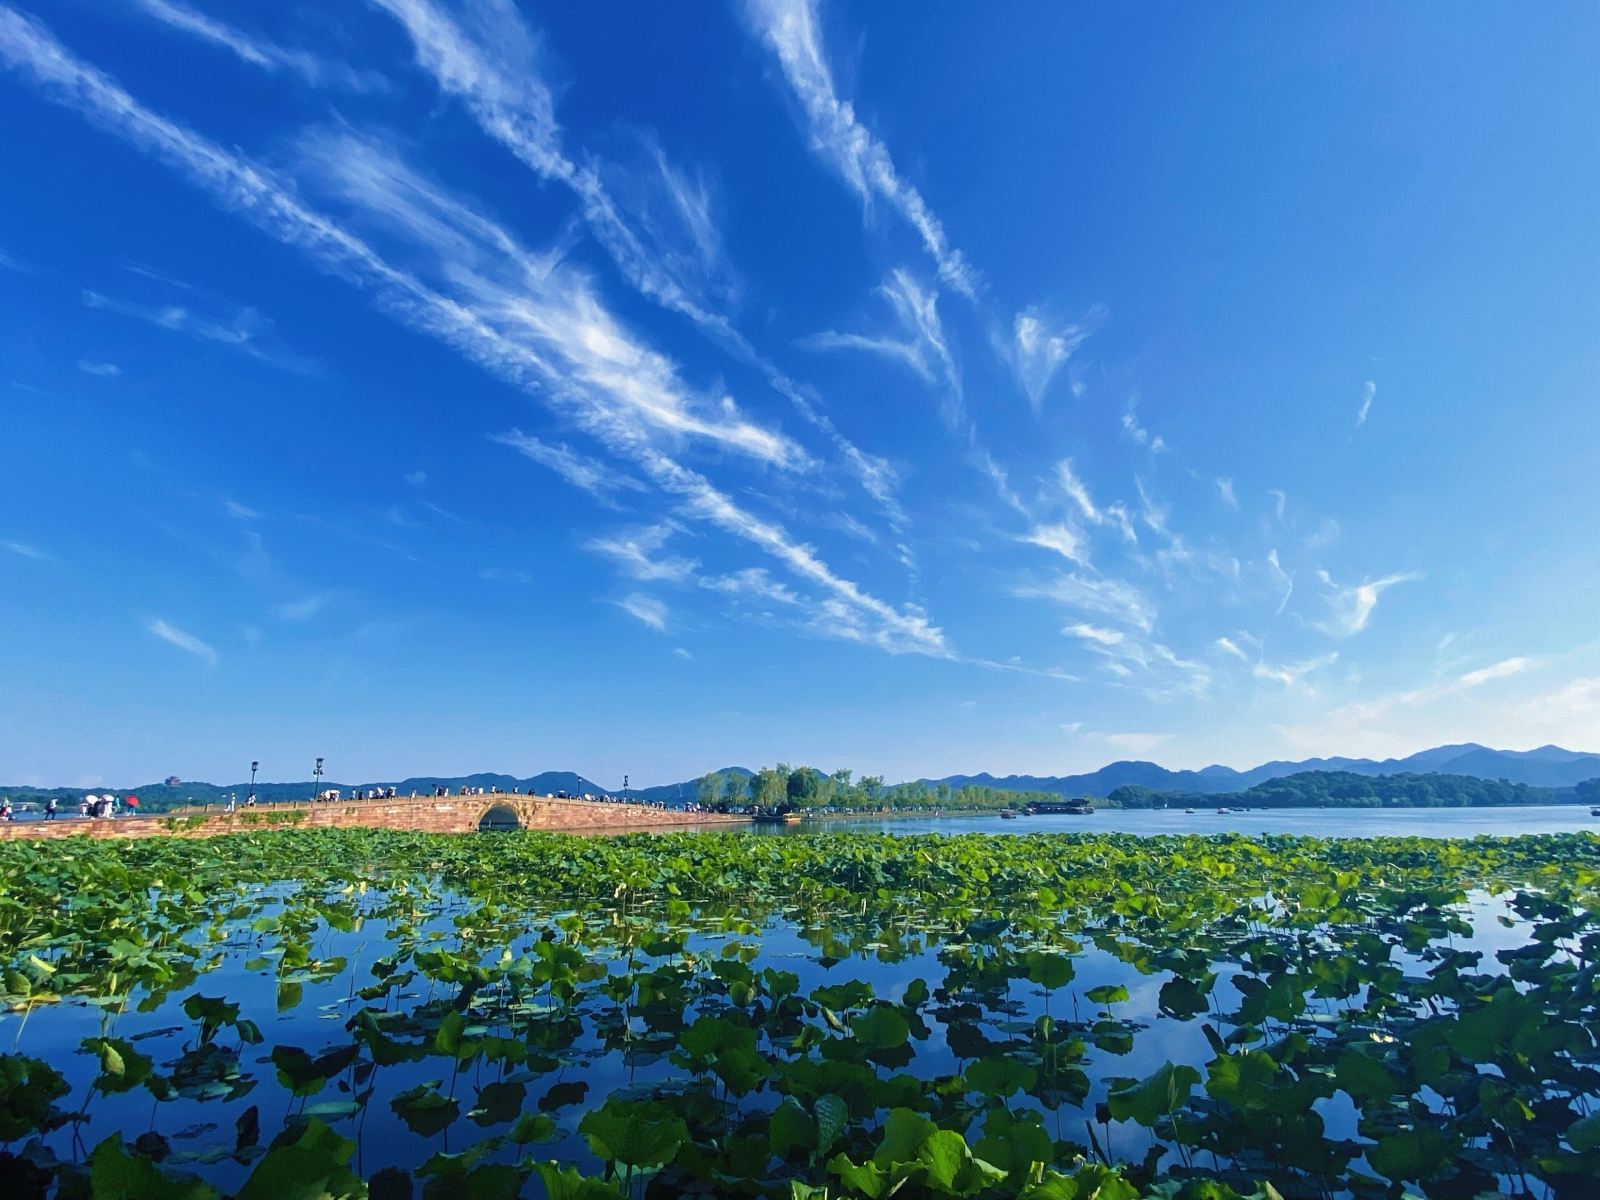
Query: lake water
[
  {"x": 978, "y": 1004},
  {"x": 1312, "y": 822}
]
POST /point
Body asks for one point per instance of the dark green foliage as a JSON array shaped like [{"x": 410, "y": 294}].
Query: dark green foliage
[{"x": 1314, "y": 975}]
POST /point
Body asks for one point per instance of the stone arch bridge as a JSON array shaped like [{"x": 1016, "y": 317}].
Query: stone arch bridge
[{"x": 428, "y": 814}]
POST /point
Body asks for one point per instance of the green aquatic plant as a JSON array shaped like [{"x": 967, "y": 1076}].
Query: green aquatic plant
[{"x": 349, "y": 1012}]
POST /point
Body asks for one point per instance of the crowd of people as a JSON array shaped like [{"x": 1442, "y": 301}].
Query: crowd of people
[{"x": 92, "y": 805}]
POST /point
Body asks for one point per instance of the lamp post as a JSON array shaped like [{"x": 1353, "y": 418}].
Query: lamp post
[
  {"x": 624, "y": 787},
  {"x": 316, "y": 774},
  {"x": 251, "y": 797}
]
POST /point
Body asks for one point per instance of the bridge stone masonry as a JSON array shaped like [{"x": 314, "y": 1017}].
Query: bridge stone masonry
[{"x": 426, "y": 814}]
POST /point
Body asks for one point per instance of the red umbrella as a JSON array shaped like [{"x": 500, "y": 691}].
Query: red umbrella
[{"x": 132, "y": 802}]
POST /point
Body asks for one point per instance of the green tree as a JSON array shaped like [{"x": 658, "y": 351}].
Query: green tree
[
  {"x": 770, "y": 786},
  {"x": 710, "y": 790}
]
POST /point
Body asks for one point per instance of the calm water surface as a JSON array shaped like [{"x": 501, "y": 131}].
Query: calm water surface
[{"x": 1314, "y": 822}]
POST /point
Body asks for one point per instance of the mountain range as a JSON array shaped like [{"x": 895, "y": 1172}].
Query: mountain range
[{"x": 1548, "y": 766}]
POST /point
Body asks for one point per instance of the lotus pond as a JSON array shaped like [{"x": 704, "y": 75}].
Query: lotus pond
[{"x": 347, "y": 1013}]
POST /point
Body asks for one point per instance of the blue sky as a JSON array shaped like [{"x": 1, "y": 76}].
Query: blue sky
[{"x": 438, "y": 387}]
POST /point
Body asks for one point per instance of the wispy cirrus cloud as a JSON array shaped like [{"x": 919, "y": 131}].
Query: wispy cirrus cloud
[
  {"x": 183, "y": 640},
  {"x": 1282, "y": 579},
  {"x": 1225, "y": 491},
  {"x": 244, "y": 329},
  {"x": 1039, "y": 348},
  {"x": 542, "y": 317},
  {"x": 791, "y": 29},
  {"x": 1136, "y": 432},
  {"x": 102, "y": 370},
  {"x": 1228, "y": 646},
  {"x": 1113, "y": 515},
  {"x": 1066, "y": 540},
  {"x": 662, "y": 238},
  {"x": 920, "y": 342},
  {"x": 1097, "y": 595},
  {"x": 579, "y": 470},
  {"x": 647, "y": 610},
  {"x": 1351, "y": 607},
  {"x": 637, "y": 552},
  {"x": 239, "y": 512},
  {"x": 542, "y": 330},
  {"x": 24, "y": 550},
  {"x": 259, "y": 52},
  {"x": 1290, "y": 674},
  {"x": 304, "y": 608},
  {"x": 1095, "y": 633},
  {"x": 1370, "y": 726},
  {"x": 1369, "y": 390}
]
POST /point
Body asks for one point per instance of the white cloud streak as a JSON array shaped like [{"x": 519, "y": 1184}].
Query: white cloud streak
[
  {"x": 923, "y": 346},
  {"x": 1290, "y": 674},
  {"x": 1351, "y": 608},
  {"x": 24, "y": 550},
  {"x": 1096, "y": 594},
  {"x": 186, "y": 642},
  {"x": 492, "y": 68},
  {"x": 1283, "y": 580},
  {"x": 304, "y": 608},
  {"x": 258, "y": 52},
  {"x": 244, "y": 330},
  {"x": 1228, "y": 646},
  {"x": 790, "y": 28},
  {"x": 552, "y": 338},
  {"x": 579, "y": 470},
  {"x": 1114, "y": 515},
  {"x": 1061, "y": 537},
  {"x": 647, "y": 610},
  {"x": 1040, "y": 348},
  {"x": 1094, "y": 633},
  {"x": 1136, "y": 432},
  {"x": 636, "y": 553},
  {"x": 1368, "y": 391}
]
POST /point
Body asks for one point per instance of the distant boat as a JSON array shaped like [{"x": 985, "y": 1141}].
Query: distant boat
[
  {"x": 1594, "y": 812},
  {"x": 1190, "y": 811},
  {"x": 788, "y": 818},
  {"x": 1222, "y": 812},
  {"x": 1007, "y": 815},
  {"x": 1052, "y": 808}
]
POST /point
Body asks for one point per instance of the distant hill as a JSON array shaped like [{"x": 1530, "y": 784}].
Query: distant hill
[
  {"x": 1347, "y": 789},
  {"x": 1547, "y": 767},
  {"x": 672, "y": 793}
]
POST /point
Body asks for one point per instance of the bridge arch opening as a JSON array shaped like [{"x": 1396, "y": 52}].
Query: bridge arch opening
[{"x": 499, "y": 818}]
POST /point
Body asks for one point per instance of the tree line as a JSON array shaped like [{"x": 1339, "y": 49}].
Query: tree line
[
  {"x": 1344, "y": 789},
  {"x": 789, "y": 787}
]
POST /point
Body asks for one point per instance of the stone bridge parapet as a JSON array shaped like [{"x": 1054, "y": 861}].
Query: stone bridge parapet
[{"x": 427, "y": 814}]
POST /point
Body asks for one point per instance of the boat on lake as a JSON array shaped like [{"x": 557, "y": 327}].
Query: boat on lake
[
  {"x": 1051, "y": 808},
  {"x": 1007, "y": 814},
  {"x": 777, "y": 818}
]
